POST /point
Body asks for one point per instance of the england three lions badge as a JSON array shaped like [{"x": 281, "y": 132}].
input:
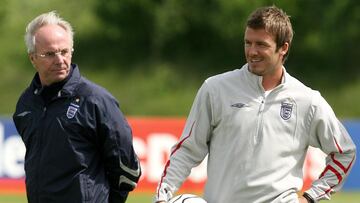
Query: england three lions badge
[
  {"x": 286, "y": 110},
  {"x": 71, "y": 111}
]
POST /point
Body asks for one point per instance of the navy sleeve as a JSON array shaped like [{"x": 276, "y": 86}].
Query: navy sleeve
[{"x": 121, "y": 163}]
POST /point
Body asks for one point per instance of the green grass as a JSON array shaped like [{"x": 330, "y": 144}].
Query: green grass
[{"x": 342, "y": 197}]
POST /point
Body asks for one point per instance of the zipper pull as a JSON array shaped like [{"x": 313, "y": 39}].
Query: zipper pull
[
  {"x": 44, "y": 111},
  {"x": 262, "y": 105}
]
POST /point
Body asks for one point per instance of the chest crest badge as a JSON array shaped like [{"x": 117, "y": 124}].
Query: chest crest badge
[
  {"x": 286, "y": 110},
  {"x": 71, "y": 111}
]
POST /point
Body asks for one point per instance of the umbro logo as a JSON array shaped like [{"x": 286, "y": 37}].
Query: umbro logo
[
  {"x": 23, "y": 113},
  {"x": 238, "y": 105}
]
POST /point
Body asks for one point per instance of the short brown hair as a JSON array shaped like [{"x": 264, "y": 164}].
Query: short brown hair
[{"x": 276, "y": 22}]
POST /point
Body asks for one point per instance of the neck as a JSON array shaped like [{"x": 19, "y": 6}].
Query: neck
[{"x": 269, "y": 82}]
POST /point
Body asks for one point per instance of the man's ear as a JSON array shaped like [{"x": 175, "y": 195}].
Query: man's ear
[
  {"x": 31, "y": 58},
  {"x": 284, "y": 48}
]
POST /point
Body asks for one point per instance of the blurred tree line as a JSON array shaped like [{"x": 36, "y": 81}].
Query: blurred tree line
[
  {"x": 156, "y": 49},
  {"x": 207, "y": 35}
]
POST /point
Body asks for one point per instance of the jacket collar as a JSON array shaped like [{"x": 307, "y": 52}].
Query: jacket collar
[
  {"x": 68, "y": 87},
  {"x": 256, "y": 81},
  {"x": 73, "y": 81}
]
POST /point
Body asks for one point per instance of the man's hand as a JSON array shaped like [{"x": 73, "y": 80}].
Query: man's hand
[{"x": 303, "y": 200}]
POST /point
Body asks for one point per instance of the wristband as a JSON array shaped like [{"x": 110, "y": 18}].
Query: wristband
[{"x": 308, "y": 198}]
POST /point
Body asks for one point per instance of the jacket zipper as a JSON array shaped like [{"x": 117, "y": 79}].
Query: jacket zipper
[
  {"x": 259, "y": 121},
  {"x": 43, "y": 121},
  {"x": 261, "y": 114}
]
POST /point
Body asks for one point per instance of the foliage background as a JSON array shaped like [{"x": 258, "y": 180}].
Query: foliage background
[{"x": 154, "y": 54}]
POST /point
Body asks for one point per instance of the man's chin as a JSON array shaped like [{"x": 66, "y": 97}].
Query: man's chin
[
  {"x": 255, "y": 69},
  {"x": 61, "y": 77}
]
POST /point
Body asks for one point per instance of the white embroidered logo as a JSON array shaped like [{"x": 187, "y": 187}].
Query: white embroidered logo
[{"x": 72, "y": 110}]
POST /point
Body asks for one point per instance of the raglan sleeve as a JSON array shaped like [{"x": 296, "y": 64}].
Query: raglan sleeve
[
  {"x": 191, "y": 148},
  {"x": 328, "y": 134},
  {"x": 122, "y": 166}
]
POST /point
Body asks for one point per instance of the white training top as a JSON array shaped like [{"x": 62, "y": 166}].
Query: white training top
[{"x": 256, "y": 143}]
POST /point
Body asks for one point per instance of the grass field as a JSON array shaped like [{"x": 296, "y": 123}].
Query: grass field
[{"x": 343, "y": 197}]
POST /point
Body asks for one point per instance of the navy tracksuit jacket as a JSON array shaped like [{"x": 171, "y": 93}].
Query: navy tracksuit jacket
[{"x": 78, "y": 144}]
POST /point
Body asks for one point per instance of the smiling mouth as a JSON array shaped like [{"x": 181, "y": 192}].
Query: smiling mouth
[{"x": 255, "y": 60}]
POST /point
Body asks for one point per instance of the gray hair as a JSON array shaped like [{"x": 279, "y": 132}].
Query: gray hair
[{"x": 50, "y": 18}]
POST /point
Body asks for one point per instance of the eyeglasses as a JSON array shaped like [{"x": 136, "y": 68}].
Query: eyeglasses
[{"x": 53, "y": 54}]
